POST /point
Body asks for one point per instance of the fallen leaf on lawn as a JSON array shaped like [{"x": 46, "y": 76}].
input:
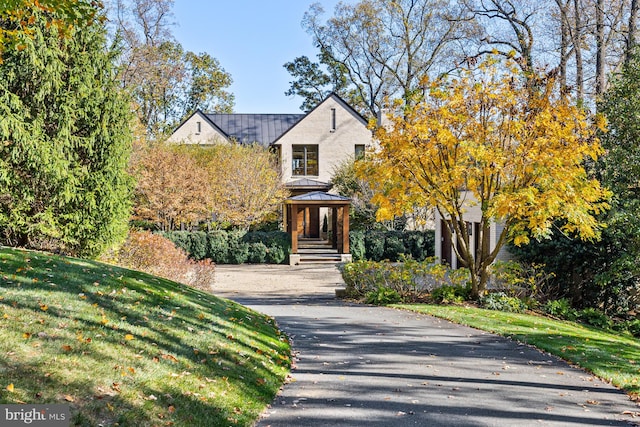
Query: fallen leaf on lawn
[
  {"x": 261, "y": 381},
  {"x": 67, "y": 347},
  {"x": 44, "y": 307},
  {"x": 128, "y": 337},
  {"x": 69, "y": 398},
  {"x": 169, "y": 357},
  {"x": 26, "y": 335},
  {"x": 10, "y": 388},
  {"x": 171, "y": 409}
]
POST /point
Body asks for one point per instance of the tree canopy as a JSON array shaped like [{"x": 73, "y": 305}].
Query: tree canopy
[
  {"x": 492, "y": 140},
  {"x": 166, "y": 82},
  {"x": 65, "y": 127},
  {"x": 19, "y": 20}
]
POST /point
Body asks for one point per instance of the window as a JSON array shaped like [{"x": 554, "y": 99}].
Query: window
[
  {"x": 304, "y": 160},
  {"x": 198, "y": 128},
  {"x": 360, "y": 150},
  {"x": 333, "y": 120}
]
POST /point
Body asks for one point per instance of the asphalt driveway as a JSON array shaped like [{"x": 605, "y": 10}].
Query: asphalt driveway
[{"x": 359, "y": 365}]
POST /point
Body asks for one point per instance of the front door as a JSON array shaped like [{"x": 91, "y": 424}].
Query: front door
[{"x": 309, "y": 222}]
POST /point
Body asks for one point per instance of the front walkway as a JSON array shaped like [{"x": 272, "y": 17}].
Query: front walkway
[{"x": 371, "y": 366}]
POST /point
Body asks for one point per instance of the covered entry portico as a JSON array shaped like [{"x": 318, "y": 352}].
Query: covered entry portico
[{"x": 296, "y": 211}]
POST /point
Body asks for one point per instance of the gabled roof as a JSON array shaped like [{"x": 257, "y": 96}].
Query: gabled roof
[
  {"x": 340, "y": 101},
  {"x": 263, "y": 129}
]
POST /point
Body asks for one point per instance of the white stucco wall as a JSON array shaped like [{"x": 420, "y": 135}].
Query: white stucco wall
[
  {"x": 188, "y": 133},
  {"x": 333, "y": 145}
]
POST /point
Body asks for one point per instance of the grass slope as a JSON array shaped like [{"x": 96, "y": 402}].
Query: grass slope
[
  {"x": 125, "y": 348},
  {"x": 611, "y": 356}
]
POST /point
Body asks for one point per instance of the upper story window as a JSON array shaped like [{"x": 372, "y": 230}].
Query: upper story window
[
  {"x": 198, "y": 127},
  {"x": 304, "y": 160},
  {"x": 333, "y": 120}
]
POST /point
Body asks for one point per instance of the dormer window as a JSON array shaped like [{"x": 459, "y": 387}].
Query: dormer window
[{"x": 333, "y": 120}]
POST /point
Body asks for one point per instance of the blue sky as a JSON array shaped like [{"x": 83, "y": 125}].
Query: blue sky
[{"x": 252, "y": 39}]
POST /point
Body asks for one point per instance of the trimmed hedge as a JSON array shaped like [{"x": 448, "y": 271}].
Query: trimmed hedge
[
  {"x": 273, "y": 247},
  {"x": 379, "y": 245},
  {"x": 233, "y": 246}
]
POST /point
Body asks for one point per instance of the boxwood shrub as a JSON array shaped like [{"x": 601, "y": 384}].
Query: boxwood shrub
[{"x": 234, "y": 246}]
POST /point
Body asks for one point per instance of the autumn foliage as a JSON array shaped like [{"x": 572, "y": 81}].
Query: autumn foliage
[
  {"x": 171, "y": 187},
  {"x": 157, "y": 255},
  {"x": 245, "y": 183},
  {"x": 495, "y": 140}
]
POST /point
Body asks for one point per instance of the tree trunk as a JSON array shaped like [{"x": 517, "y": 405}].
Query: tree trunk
[
  {"x": 577, "y": 40},
  {"x": 631, "y": 36},
  {"x": 564, "y": 44},
  {"x": 600, "y": 48}
]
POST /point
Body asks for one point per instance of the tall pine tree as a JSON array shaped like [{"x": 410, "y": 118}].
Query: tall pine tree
[{"x": 64, "y": 141}]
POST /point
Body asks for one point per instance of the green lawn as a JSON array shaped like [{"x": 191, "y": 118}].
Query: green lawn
[
  {"x": 611, "y": 356},
  {"x": 125, "y": 348}
]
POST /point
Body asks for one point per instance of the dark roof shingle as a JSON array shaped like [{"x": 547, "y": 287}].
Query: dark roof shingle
[{"x": 263, "y": 129}]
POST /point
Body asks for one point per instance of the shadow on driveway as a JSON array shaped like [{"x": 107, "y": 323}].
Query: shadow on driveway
[{"x": 359, "y": 365}]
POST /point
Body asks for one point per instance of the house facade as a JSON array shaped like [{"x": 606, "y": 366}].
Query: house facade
[
  {"x": 445, "y": 241},
  {"x": 308, "y": 146}
]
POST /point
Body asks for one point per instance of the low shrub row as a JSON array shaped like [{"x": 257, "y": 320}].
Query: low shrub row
[
  {"x": 234, "y": 246},
  {"x": 406, "y": 281},
  {"x": 378, "y": 245}
]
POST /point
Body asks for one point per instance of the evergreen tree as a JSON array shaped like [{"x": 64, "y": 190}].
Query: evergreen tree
[{"x": 65, "y": 141}]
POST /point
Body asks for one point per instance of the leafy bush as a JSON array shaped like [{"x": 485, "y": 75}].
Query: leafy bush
[
  {"x": 377, "y": 245},
  {"x": 157, "y": 255},
  {"x": 412, "y": 280},
  {"x": 393, "y": 245},
  {"x": 237, "y": 248},
  {"x": 560, "y": 308},
  {"x": 218, "y": 246},
  {"x": 420, "y": 244},
  {"x": 383, "y": 296},
  {"x": 595, "y": 317},
  {"x": 450, "y": 294},
  {"x": 523, "y": 279},
  {"x": 500, "y": 301},
  {"x": 198, "y": 246},
  {"x": 356, "y": 245},
  {"x": 374, "y": 245},
  {"x": 633, "y": 326},
  {"x": 257, "y": 253}
]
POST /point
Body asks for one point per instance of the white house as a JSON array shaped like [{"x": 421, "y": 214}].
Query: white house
[{"x": 309, "y": 147}]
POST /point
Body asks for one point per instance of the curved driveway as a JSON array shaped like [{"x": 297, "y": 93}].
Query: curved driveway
[{"x": 359, "y": 365}]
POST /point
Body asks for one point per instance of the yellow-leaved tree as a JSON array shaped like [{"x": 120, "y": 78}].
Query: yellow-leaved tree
[
  {"x": 511, "y": 146},
  {"x": 246, "y": 187}
]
